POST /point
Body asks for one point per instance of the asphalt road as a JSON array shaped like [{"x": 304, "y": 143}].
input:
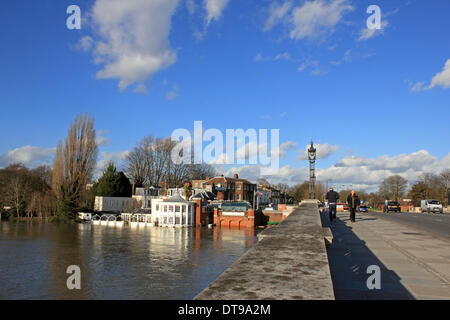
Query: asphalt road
[{"x": 437, "y": 224}]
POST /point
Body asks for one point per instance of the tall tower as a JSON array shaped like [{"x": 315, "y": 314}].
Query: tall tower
[{"x": 312, "y": 171}]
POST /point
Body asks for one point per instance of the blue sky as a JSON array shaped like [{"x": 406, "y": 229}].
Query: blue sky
[{"x": 377, "y": 104}]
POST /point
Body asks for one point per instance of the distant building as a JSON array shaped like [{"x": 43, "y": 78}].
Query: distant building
[
  {"x": 233, "y": 189},
  {"x": 263, "y": 197},
  {"x": 111, "y": 204},
  {"x": 145, "y": 196},
  {"x": 174, "y": 211},
  {"x": 174, "y": 191}
]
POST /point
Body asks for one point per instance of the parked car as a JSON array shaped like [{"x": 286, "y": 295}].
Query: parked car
[
  {"x": 391, "y": 206},
  {"x": 431, "y": 206},
  {"x": 363, "y": 208}
]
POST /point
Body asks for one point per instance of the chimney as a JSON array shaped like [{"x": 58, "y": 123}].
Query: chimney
[
  {"x": 198, "y": 212},
  {"x": 236, "y": 176}
]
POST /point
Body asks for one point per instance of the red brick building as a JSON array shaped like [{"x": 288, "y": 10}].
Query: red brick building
[{"x": 225, "y": 188}]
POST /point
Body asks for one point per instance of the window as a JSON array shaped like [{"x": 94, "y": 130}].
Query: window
[
  {"x": 239, "y": 186},
  {"x": 157, "y": 207}
]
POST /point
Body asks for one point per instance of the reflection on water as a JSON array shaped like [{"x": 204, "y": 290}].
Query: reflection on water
[{"x": 115, "y": 262}]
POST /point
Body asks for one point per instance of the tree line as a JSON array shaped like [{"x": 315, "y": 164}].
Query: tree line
[{"x": 59, "y": 191}]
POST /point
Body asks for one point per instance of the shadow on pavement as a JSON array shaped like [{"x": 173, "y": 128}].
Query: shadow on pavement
[{"x": 349, "y": 258}]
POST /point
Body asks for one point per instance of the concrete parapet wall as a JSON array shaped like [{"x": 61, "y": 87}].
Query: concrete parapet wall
[{"x": 288, "y": 262}]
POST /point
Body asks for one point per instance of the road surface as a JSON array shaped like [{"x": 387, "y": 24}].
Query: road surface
[{"x": 437, "y": 224}]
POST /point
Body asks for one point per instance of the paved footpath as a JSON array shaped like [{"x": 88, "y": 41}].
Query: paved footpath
[{"x": 414, "y": 264}]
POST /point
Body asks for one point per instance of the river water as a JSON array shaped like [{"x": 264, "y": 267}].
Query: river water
[{"x": 115, "y": 262}]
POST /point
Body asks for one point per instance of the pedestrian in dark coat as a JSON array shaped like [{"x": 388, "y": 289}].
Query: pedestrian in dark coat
[
  {"x": 332, "y": 198},
  {"x": 353, "y": 203}
]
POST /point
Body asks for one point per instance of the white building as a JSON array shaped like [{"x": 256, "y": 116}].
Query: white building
[
  {"x": 145, "y": 196},
  {"x": 111, "y": 204},
  {"x": 174, "y": 212},
  {"x": 174, "y": 191}
]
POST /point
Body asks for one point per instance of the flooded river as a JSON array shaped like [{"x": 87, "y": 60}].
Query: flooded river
[{"x": 115, "y": 262}]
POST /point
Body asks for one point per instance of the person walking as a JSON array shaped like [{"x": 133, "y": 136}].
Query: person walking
[
  {"x": 353, "y": 203},
  {"x": 332, "y": 198}
]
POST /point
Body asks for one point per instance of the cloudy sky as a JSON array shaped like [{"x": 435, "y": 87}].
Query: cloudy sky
[{"x": 377, "y": 102}]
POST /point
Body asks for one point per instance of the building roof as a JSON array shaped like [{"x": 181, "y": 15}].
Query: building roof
[
  {"x": 204, "y": 195},
  {"x": 224, "y": 179},
  {"x": 176, "y": 198},
  {"x": 236, "y": 206}
]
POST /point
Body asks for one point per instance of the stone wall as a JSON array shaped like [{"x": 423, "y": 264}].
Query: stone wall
[{"x": 288, "y": 262}]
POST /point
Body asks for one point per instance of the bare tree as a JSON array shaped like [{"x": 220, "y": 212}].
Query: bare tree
[
  {"x": 393, "y": 187},
  {"x": 137, "y": 163},
  {"x": 74, "y": 164}
]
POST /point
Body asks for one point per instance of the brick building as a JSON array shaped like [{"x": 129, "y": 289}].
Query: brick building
[{"x": 225, "y": 188}]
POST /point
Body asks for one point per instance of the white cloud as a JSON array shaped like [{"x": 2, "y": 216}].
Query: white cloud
[
  {"x": 29, "y": 156},
  {"x": 442, "y": 79},
  {"x": 117, "y": 157},
  {"x": 172, "y": 94},
  {"x": 281, "y": 56},
  {"x": 323, "y": 151},
  {"x": 277, "y": 13},
  {"x": 191, "y": 6},
  {"x": 84, "y": 44},
  {"x": 346, "y": 58},
  {"x": 132, "y": 38},
  {"x": 306, "y": 64},
  {"x": 214, "y": 9},
  {"x": 317, "y": 18},
  {"x": 141, "y": 89},
  {"x": 100, "y": 138},
  {"x": 367, "y": 33},
  {"x": 285, "y": 147},
  {"x": 361, "y": 172},
  {"x": 419, "y": 86}
]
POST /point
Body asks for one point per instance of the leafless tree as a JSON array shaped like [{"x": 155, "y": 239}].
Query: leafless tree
[
  {"x": 74, "y": 163},
  {"x": 393, "y": 187}
]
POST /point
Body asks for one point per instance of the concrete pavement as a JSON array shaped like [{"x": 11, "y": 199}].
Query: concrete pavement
[{"x": 414, "y": 263}]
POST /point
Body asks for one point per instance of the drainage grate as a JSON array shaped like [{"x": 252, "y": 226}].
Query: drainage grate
[{"x": 413, "y": 233}]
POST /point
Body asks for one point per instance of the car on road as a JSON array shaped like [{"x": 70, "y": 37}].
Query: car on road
[
  {"x": 342, "y": 207},
  {"x": 431, "y": 206},
  {"x": 391, "y": 206},
  {"x": 363, "y": 208}
]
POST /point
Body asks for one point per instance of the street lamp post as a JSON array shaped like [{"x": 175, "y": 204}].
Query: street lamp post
[{"x": 312, "y": 170}]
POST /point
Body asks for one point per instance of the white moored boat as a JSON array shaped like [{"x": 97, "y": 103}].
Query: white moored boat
[
  {"x": 119, "y": 221},
  {"x": 111, "y": 220},
  {"x": 96, "y": 219},
  {"x": 104, "y": 220}
]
